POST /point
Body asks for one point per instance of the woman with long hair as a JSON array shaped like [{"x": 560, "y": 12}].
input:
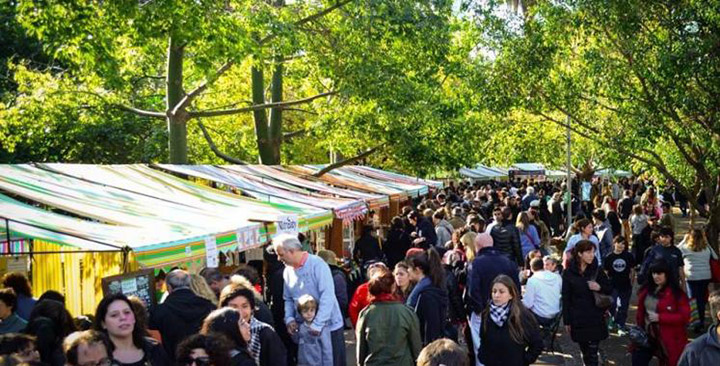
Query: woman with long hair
[
  {"x": 204, "y": 350},
  {"x": 468, "y": 242},
  {"x": 529, "y": 237},
  {"x": 508, "y": 326},
  {"x": 664, "y": 312},
  {"x": 696, "y": 257},
  {"x": 199, "y": 287},
  {"x": 403, "y": 284},
  {"x": 388, "y": 332},
  {"x": 264, "y": 344},
  {"x": 229, "y": 323},
  {"x": 583, "y": 319},
  {"x": 584, "y": 231},
  {"x": 429, "y": 298},
  {"x": 50, "y": 323},
  {"x": 116, "y": 317}
]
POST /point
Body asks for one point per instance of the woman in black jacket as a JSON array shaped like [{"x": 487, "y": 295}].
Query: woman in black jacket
[
  {"x": 397, "y": 243},
  {"x": 116, "y": 317},
  {"x": 50, "y": 323},
  {"x": 429, "y": 297},
  {"x": 509, "y": 327},
  {"x": 584, "y": 321},
  {"x": 264, "y": 344}
]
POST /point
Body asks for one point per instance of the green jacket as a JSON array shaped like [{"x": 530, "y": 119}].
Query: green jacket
[{"x": 388, "y": 333}]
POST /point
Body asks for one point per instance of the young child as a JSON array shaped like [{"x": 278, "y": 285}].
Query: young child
[
  {"x": 314, "y": 346},
  {"x": 619, "y": 266}
]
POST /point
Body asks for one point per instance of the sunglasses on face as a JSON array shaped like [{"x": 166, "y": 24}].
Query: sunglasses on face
[{"x": 197, "y": 361}]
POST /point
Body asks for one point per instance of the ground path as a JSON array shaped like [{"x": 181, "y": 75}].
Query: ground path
[{"x": 568, "y": 352}]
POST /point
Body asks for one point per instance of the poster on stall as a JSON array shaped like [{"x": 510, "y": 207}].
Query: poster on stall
[{"x": 138, "y": 283}]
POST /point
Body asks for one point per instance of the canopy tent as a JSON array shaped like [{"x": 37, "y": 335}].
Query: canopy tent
[
  {"x": 609, "y": 172},
  {"x": 483, "y": 172},
  {"x": 413, "y": 189},
  {"x": 344, "y": 176},
  {"x": 556, "y": 174},
  {"x": 395, "y": 177},
  {"x": 360, "y": 183},
  {"x": 528, "y": 169},
  {"x": 182, "y": 228},
  {"x": 346, "y": 205}
]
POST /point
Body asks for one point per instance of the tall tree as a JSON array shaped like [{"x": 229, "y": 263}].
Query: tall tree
[{"x": 634, "y": 77}]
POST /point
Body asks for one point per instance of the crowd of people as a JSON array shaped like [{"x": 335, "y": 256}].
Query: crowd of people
[{"x": 491, "y": 266}]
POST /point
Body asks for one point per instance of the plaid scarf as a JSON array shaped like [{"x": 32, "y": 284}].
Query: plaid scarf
[
  {"x": 256, "y": 327},
  {"x": 499, "y": 314}
]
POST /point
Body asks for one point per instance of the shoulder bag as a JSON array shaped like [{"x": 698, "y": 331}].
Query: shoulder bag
[{"x": 602, "y": 301}]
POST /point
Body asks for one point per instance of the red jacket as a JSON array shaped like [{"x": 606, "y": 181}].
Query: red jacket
[
  {"x": 674, "y": 315},
  {"x": 359, "y": 301}
]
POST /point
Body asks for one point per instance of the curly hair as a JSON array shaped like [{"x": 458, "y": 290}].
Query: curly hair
[
  {"x": 216, "y": 345},
  {"x": 18, "y": 282}
]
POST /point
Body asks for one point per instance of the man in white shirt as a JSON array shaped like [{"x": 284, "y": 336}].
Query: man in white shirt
[{"x": 542, "y": 293}]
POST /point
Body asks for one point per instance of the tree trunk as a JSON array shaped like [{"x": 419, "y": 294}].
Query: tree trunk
[
  {"x": 177, "y": 123},
  {"x": 262, "y": 132},
  {"x": 712, "y": 231},
  {"x": 276, "y": 121}
]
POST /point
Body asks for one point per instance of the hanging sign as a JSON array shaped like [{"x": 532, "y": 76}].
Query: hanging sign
[
  {"x": 287, "y": 224},
  {"x": 211, "y": 252}
]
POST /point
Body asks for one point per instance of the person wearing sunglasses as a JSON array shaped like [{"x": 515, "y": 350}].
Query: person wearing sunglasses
[{"x": 204, "y": 350}]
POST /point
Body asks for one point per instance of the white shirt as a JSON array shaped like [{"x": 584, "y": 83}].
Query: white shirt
[{"x": 542, "y": 294}]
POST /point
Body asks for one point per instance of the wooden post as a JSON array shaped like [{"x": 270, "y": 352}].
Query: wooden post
[{"x": 334, "y": 237}]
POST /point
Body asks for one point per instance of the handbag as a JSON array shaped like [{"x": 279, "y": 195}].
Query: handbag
[
  {"x": 602, "y": 301},
  {"x": 638, "y": 337},
  {"x": 715, "y": 268}
]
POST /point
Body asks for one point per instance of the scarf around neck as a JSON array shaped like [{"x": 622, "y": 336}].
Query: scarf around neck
[
  {"x": 415, "y": 293},
  {"x": 254, "y": 346},
  {"x": 499, "y": 314}
]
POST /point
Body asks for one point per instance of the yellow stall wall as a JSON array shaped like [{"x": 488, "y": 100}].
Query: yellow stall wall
[{"x": 76, "y": 275}]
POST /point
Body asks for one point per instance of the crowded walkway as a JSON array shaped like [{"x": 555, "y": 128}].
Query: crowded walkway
[{"x": 476, "y": 274}]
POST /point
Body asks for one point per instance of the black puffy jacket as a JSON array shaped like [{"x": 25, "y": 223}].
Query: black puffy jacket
[{"x": 506, "y": 238}]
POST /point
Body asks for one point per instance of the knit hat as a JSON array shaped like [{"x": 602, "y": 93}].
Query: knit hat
[
  {"x": 328, "y": 256},
  {"x": 483, "y": 240}
]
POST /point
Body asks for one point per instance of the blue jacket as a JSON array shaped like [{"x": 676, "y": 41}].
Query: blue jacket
[
  {"x": 488, "y": 264},
  {"x": 313, "y": 278},
  {"x": 313, "y": 350},
  {"x": 12, "y": 324},
  {"x": 705, "y": 350}
]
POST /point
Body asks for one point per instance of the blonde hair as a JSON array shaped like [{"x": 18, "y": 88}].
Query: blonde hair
[
  {"x": 696, "y": 240},
  {"x": 199, "y": 287},
  {"x": 468, "y": 241},
  {"x": 523, "y": 221},
  {"x": 306, "y": 302}
]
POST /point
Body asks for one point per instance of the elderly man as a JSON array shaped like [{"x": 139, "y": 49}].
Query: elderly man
[
  {"x": 308, "y": 274},
  {"x": 182, "y": 313},
  {"x": 87, "y": 348}
]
